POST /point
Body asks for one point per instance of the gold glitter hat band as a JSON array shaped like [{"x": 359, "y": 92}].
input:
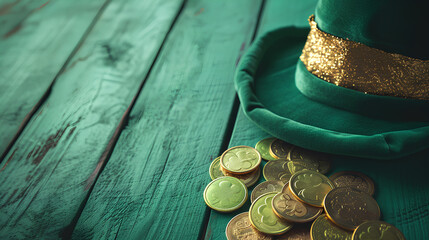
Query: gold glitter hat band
[{"x": 356, "y": 66}]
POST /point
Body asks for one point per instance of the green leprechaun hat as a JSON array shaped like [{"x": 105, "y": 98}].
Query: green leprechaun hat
[{"x": 356, "y": 84}]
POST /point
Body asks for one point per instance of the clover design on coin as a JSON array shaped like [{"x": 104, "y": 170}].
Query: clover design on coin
[
  {"x": 269, "y": 188},
  {"x": 242, "y": 223},
  {"x": 303, "y": 164},
  {"x": 263, "y": 218},
  {"x": 307, "y": 183},
  {"x": 239, "y": 228},
  {"x": 310, "y": 187},
  {"x": 377, "y": 233},
  {"x": 291, "y": 207},
  {"x": 266, "y": 187},
  {"x": 324, "y": 229},
  {"x": 228, "y": 189},
  {"x": 284, "y": 175},
  {"x": 266, "y": 212},
  {"x": 240, "y": 159},
  {"x": 377, "y": 230},
  {"x": 237, "y": 163},
  {"x": 225, "y": 194}
]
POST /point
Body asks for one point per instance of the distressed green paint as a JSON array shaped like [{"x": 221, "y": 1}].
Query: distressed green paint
[
  {"x": 47, "y": 174},
  {"x": 277, "y": 13},
  {"x": 38, "y": 37},
  {"x": 152, "y": 187},
  {"x": 14, "y": 12}
]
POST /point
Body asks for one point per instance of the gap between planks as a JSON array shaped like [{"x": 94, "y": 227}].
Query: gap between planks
[
  {"x": 90, "y": 183},
  {"x": 230, "y": 125},
  {"x": 45, "y": 95}
]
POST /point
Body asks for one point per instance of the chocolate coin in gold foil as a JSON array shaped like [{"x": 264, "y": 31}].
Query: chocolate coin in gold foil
[
  {"x": 215, "y": 170},
  {"x": 377, "y": 230},
  {"x": 298, "y": 232},
  {"x": 349, "y": 207},
  {"x": 305, "y": 159},
  {"x": 354, "y": 180},
  {"x": 286, "y": 206},
  {"x": 277, "y": 171},
  {"x": 240, "y": 159},
  {"x": 266, "y": 187},
  {"x": 310, "y": 187},
  {"x": 263, "y": 147},
  {"x": 324, "y": 229},
  {"x": 239, "y": 228},
  {"x": 262, "y": 217},
  {"x": 249, "y": 179},
  {"x": 280, "y": 149},
  {"x": 225, "y": 194}
]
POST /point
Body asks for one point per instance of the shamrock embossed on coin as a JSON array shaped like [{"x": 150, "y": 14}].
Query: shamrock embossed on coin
[
  {"x": 310, "y": 187},
  {"x": 262, "y": 217},
  {"x": 240, "y": 159}
]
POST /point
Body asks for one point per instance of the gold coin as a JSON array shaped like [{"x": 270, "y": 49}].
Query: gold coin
[
  {"x": 305, "y": 159},
  {"x": 225, "y": 194},
  {"x": 377, "y": 230},
  {"x": 277, "y": 171},
  {"x": 262, "y": 217},
  {"x": 280, "y": 149},
  {"x": 354, "y": 180},
  {"x": 310, "y": 187},
  {"x": 266, "y": 187},
  {"x": 240, "y": 159},
  {"x": 249, "y": 179},
  {"x": 286, "y": 206},
  {"x": 239, "y": 228},
  {"x": 298, "y": 232},
  {"x": 349, "y": 207},
  {"x": 324, "y": 229},
  {"x": 215, "y": 170},
  {"x": 263, "y": 147}
]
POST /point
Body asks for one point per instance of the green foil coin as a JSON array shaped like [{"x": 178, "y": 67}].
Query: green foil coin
[
  {"x": 215, "y": 170},
  {"x": 225, "y": 194},
  {"x": 263, "y": 147},
  {"x": 277, "y": 171},
  {"x": 264, "y": 219},
  {"x": 377, "y": 230},
  {"x": 240, "y": 160},
  {"x": 323, "y": 229},
  {"x": 310, "y": 187}
]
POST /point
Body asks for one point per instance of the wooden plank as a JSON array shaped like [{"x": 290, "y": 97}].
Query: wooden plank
[
  {"x": 38, "y": 41},
  {"x": 395, "y": 195},
  {"x": 152, "y": 186},
  {"x": 14, "y": 12},
  {"x": 277, "y": 13},
  {"x": 53, "y": 164}
]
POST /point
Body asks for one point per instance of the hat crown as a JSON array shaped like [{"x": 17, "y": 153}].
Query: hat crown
[{"x": 394, "y": 26}]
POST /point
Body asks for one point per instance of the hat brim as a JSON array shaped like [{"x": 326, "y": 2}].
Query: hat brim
[{"x": 265, "y": 82}]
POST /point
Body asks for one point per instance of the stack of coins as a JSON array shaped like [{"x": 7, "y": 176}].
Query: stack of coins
[{"x": 297, "y": 201}]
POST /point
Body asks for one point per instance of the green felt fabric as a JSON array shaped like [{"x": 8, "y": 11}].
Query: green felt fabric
[
  {"x": 396, "y": 26},
  {"x": 265, "y": 82},
  {"x": 385, "y": 107}
]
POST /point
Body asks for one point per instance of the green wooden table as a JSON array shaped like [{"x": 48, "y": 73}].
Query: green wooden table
[{"x": 112, "y": 111}]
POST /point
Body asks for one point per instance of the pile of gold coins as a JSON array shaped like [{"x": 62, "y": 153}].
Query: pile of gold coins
[{"x": 297, "y": 201}]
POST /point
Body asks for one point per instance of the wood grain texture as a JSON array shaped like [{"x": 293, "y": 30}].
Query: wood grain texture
[
  {"x": 47, "y": 174},
  {"x": 277, "y": 13},
  {"x": 36, "y": 40},
  {"x": 14, "y": 12},
  {"x": 152, "y": 186}
]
